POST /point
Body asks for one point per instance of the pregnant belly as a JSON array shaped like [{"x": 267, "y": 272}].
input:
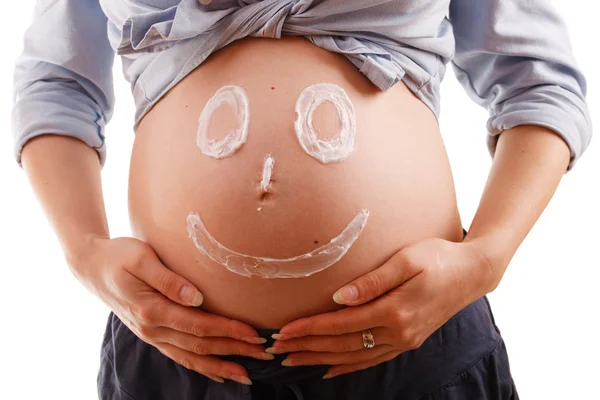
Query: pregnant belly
[{"x": 397, "y": 171}]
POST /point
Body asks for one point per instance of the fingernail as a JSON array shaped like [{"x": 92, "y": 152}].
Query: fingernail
[
  {"x": 281, "y": 336},
  {"x": 346, "y": 294},
  {"x": 191, "y": 296},
  {"x": 287, "y": 362},
  {"x": 217, "y": 379},
  {"x": 328, "y": 375},
  {"x": 254, "y": 339},
  {"x": 241, "y": 379},
  {"x": 263, "y": 356},
  {"x": 275, "y": 350}
]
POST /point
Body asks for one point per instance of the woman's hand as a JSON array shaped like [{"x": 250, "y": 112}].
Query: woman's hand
[
  {"x": 154, "y": 303},
  {"x": 402, "y": 303}
]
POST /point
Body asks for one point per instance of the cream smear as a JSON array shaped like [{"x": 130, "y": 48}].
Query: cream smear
[
  {"x": 266, "y": 173},
  {"x": 265, "y": 267},
  {"x": 236, "y": 98},
  {"x": 338, "y": 147}
]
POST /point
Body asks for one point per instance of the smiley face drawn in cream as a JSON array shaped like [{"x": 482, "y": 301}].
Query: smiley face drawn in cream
[{"x": 337, "y": 148}]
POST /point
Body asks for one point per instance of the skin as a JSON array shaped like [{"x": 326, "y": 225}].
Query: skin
[
  {"x": 423, "y": 285},
  {"x": 436, "y": 277},
  {"x": 130, "y": 277}
]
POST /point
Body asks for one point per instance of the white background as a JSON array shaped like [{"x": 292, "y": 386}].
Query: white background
[{"x": 547, "y": 305}]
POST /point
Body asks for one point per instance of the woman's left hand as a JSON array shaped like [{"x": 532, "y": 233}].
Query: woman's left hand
[{"x": 402, "y": 303}]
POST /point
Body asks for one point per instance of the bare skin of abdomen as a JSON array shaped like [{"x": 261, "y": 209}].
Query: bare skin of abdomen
[{"x": 398, "y": 170}]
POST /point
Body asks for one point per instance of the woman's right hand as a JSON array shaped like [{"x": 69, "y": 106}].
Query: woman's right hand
[{"x": 155, "y": 304}]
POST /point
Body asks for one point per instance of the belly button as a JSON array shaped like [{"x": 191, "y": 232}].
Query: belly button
[
  {"x": 265, "y": 199},
  {"x": 266, "y": 196}
]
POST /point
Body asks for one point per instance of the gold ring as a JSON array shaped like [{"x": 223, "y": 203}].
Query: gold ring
[{"x": 368, "y": 340}]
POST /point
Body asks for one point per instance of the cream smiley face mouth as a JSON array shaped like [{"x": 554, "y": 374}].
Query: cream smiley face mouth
[
  {"x": 264, "y": 267},
  {"x": 336, "y": 149}
]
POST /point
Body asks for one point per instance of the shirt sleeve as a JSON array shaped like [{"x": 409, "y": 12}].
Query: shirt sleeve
[
  {"x": 514, "y": 57},
  {"x": 62, "y": 82}
]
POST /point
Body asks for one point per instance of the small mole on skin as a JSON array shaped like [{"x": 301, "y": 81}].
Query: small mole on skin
[
  {"x": 316, "y": 242},
  {"x": 272, "y": 87}
]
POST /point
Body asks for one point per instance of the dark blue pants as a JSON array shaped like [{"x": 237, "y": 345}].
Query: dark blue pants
[{"x": 465, "y": 359}]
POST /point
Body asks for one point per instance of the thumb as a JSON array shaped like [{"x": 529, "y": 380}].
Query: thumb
[
  {"x": 167, "y": 282},
  {"x": 390, "y": 275}
]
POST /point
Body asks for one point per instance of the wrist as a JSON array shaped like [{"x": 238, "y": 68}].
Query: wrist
[
  {"x": 78, "y": 253},
  {"x": 492, "y": 261}
]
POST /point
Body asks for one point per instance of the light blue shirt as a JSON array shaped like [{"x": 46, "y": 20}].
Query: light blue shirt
[{"x": 511, "y": 56}]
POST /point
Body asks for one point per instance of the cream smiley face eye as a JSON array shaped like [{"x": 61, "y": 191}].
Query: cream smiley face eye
[
  {"x": 237, "y": 99},
  {"x": 338, "y": 147}
]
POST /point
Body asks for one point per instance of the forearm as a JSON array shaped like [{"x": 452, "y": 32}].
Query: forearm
[
  {"x": 528, "y": 165},
  {"x": 64, "y": 173}
]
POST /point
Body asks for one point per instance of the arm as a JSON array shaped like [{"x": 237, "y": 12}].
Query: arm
[
  {"x": 527, "y": 167},
  {"x": 514, "y": 58},
  {"x": 63, "y": 98},
  {"x": 65, "y": 175}
]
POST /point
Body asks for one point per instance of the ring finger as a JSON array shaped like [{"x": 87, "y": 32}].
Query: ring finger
[
  {"x": 350, "y": 357},
  {"x": 328, "y": 343}
]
